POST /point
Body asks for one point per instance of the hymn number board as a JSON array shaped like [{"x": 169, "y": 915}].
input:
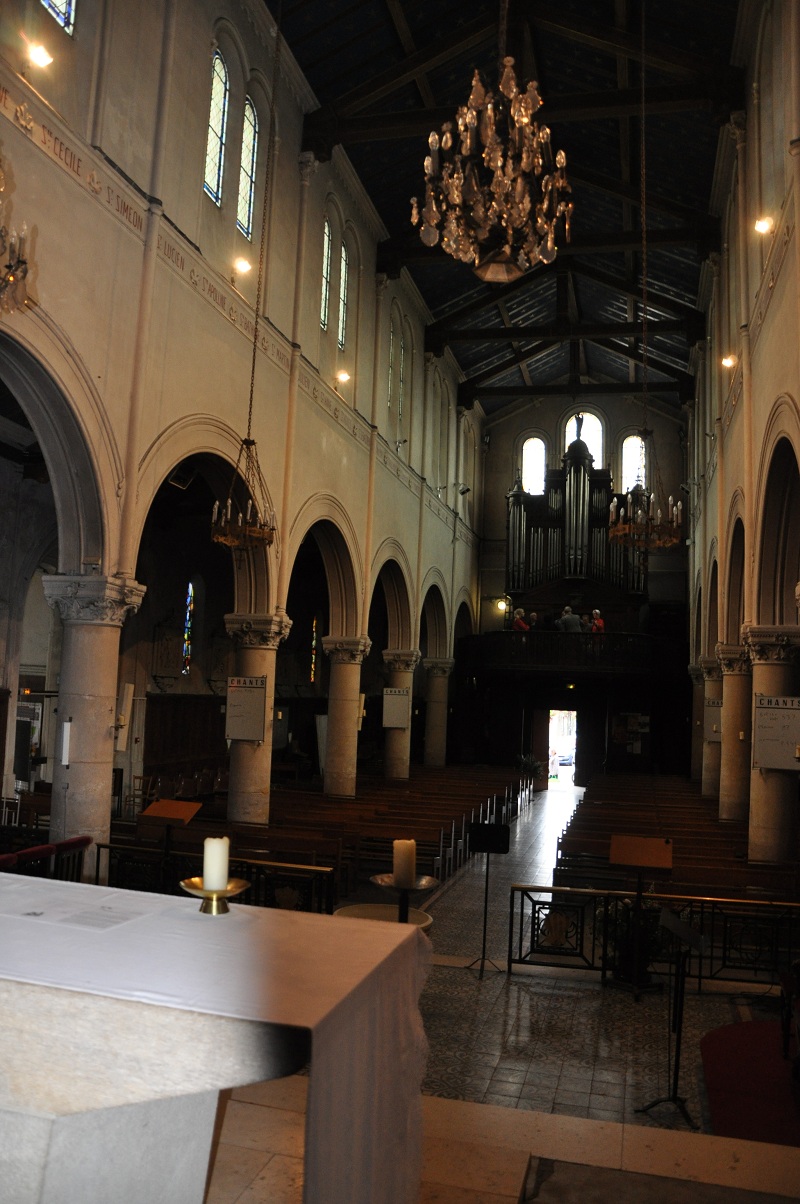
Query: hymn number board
[
  {"x": 245, "y": 712},
  {"x": 776, "y": 732}
]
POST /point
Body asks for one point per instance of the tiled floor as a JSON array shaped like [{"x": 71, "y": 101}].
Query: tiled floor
[{"x": 533, "y": 1079}]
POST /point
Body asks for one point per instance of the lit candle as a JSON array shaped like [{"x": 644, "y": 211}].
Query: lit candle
[
  {"x": 404, "y": 864},
  {"x": 215, "y": 862},
  {"x": 215, "y": 512}
]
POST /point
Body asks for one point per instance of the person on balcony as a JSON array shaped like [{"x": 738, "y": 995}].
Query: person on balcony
[
  {"x": 598, "y": 623},
  {"x": 519, "y": 623},
  {"x": 568, "y": 621},
  {"x": 533, "y": 619}
]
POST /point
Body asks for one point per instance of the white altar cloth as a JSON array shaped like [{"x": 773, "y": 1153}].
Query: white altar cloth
[{"x": 351, "y": 984}]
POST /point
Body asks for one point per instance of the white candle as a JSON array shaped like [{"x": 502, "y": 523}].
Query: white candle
[
  {"x": 215, "y": 862},
  {"x": 405, "y": 863}
]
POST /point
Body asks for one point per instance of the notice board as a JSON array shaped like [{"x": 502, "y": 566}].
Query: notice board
[
  {"x": 245, "y": 712},
  {"x": 396, "y": 708},
  {"x": 776, "y": 732},
  {"x": 712, "y": 720}
]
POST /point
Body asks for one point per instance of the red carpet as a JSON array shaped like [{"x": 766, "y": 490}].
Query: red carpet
[{"x": 751, "y": 1092}]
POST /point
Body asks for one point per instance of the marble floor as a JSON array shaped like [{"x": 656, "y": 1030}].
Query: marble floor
[{"x": 533, "y": 1079}]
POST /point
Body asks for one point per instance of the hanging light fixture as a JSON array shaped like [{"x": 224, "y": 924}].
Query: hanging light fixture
[
  {"x": 245, "y": 520},
  {"x": 494, "y": 191},
  {"x": 636, "y": 520},
  {"x": 13, "y": 264}
]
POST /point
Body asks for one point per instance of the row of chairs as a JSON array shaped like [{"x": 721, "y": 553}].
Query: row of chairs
[{"x": 63, "y": 859}]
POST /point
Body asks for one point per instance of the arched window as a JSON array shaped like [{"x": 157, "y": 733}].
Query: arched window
[
  {"x": 188, "y": 620},
  {"x": 326, "y": 275},
  {"x": 63, "y": 11},
  {"x": 247, "y": 170},
  {"x": 533, "y": 465},
  {"x": 634, "y": 463},
  {"x": 343, "y": 265},
  {"x": 217, "y": 123},
  {"x": 401, "y": 381},
  {"x": 591, "y": 434},
  {"x": 391, "y": 364}
]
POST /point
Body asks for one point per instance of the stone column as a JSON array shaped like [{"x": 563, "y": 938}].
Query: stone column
[
  {"x": 341, "y": 743},
  {"x": 438, "y": 671},
  {"x": 256, "y": 638},
  {"x": 92, "y": 610},
  {"x": 397, "y": 743},
  {"x": 712, "y": 749},
  {"x": 773, "y": 792},
  {"x": 737, "y": 711},
  {"x": 696, "y": 771}
]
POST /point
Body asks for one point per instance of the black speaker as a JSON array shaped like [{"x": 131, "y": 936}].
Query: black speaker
[{"x": 489, "y": 838}]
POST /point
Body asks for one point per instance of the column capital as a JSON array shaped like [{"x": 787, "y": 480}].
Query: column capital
[
  {"x": 346, "y": 650},
  {"x": 775, "y": 645},
  {"x": 734, "y": 658},
  {"x": 308, "y": 164},
  {"x": 258, "y": 631},
  {"x": 103, "y": 601},
  {"x": 696, "y": 674},
  {"x": 438, "y": 666},
  {"x": 710, "y": 669},
  {"x": 401, "y": 660}
]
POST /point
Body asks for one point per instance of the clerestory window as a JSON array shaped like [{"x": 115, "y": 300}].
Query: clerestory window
[
  {"x": 217, "y": 125},
  {"x": 325, "y": 297},
  {"x": 247, "y": 170}
]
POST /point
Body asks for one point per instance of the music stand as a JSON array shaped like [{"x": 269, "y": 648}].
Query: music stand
[
  {"x": 690, "y": 938},
  {"x": 640, "y": 853},
  {"x": 487, "y": 838}
]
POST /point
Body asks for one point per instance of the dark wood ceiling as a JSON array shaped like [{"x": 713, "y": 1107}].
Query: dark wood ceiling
[{"x": 386, "y": 73}]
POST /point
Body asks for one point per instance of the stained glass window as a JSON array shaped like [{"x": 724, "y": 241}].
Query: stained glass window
[
  {"x": 63, "y": 11},
  {"x": 313, "y": 676},
  {"x": 217, "y": 123},
  {"x": 342, "y": 298},
  {"x": 187, "y": 630},
  {"x": 391, "y": 362},
  {"x": 326, "y": 275},
  {"x": 247, "y": 170}
]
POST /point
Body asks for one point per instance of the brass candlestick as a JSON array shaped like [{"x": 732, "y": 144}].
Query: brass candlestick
[{"x": 215, "y": 902}]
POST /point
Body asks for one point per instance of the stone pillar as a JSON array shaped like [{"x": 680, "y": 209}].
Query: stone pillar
[
  {"x": 92, "y": 610},
  {"x": 256, "y": 638},
  {"x": 712, "y": 749},
  {"x": 436, "y": 712},
  {"x": 773, "y": 792},
  {"x": 737, "y": 712},
  {"x": 397, "y": 743},
  {"x": 341, "y": 743},
  {"x": 696, "y": 771}
]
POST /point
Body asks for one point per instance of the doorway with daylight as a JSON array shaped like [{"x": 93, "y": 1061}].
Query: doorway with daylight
[{"x": 562, "y": 740}]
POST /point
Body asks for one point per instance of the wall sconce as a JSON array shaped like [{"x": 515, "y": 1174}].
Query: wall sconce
[
  {"x": 398, "y": 443},
  {"x": 462, "y": 489},
  {"x": 729, "y": 361},
  {"x": 242, "y": 265},
  {"x": 342, "y": 377},
  {"x": 38, "y": 56},
  {"x": 764, "y": 225},
  {"x": 501, "y": 604}
]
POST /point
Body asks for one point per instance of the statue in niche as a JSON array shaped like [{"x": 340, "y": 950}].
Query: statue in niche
[{"x": 578, "y": 425}]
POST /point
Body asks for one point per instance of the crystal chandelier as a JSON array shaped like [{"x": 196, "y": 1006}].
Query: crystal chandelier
[
  {"x": 494, "y": 192},
  {"x": 245, "y": 521},
  {"x": 639, "y": 525},
  {"x": 13, "y": 264},
  {"x": 251, "y": 526},
  {"x": 635, "y": 520}
]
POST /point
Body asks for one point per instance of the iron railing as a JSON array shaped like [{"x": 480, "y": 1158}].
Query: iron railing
[{"x": 735, "y": 940}]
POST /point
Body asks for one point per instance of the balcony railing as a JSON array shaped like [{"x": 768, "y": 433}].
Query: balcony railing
[{"x": 617, "y": 652}]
